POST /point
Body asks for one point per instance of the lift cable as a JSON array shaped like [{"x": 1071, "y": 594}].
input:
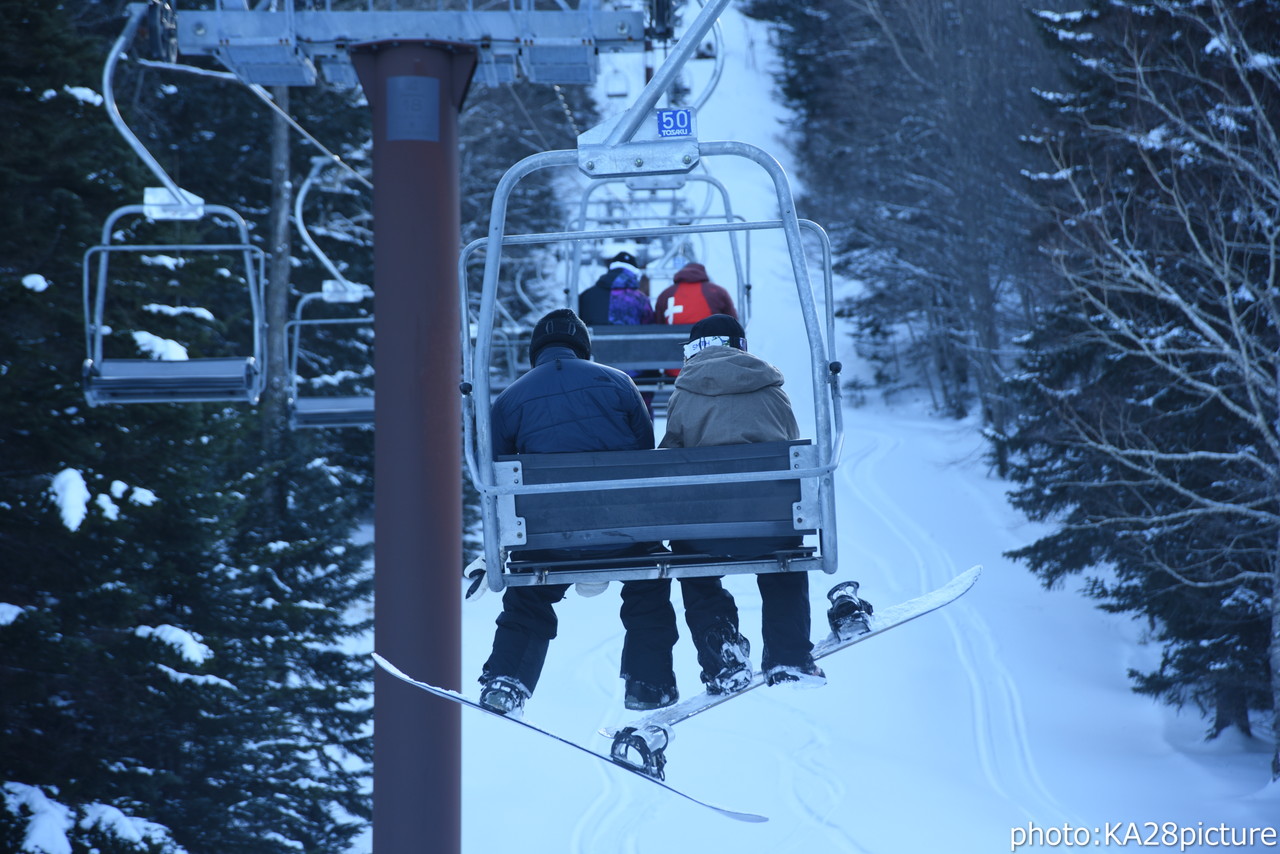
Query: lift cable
[
  {"x": 568, "y": 112},
  {"x": 266, "y": 98},
  {"x": 533, "y": 125}
]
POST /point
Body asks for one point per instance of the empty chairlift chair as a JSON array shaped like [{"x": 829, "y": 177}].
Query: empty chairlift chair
[
  {"x": 323, "y": 397},
  {"x": 171, "y": 375}
]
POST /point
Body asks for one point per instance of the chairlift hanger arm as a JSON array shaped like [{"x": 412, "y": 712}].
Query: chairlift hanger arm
[
  {"x": 135, "y": 13},
  {"x": 629, "y": 122},
  {"x": 266, "y": 97}
]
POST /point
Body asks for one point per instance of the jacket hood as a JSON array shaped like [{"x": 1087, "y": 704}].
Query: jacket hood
[
  {"x": 622, "y": 278},
  {"x": 692, "y": 273},
  {"x": 724, "y": 370}
]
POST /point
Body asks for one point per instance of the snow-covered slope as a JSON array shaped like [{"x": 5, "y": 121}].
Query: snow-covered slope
[{"x": 1007, "y": 711}]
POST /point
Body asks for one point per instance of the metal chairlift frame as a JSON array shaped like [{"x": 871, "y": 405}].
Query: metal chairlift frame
[
  {"x": 609, "y": 151},
  {"x": 229, "y": 379},
  {"x": 116, "y": 380},
  {"x": 319, "y": 411},
  {"x": 355, "y": 410},
  {"x": 510, "y": 334},
  {"x": 498, "y": 492}
]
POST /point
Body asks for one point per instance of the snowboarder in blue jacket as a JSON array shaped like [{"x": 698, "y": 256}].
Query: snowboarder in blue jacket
[{"x": 568, "y": 403}]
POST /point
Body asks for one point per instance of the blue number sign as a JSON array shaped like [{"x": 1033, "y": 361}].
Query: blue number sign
[{"x": 675, "y": 123}]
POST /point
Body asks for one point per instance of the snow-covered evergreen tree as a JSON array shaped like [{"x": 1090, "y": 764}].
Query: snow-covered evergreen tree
[
  {"x": 1148, "y": 403},
  {"x": 905, "y": 117},
  {"x": 178, "y": 670}
]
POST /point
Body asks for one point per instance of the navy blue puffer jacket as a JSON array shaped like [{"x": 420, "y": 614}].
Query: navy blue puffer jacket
[{"x": 570, "y": 404}]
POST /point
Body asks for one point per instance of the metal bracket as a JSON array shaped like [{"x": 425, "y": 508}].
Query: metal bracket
[
  {"x": 158, "y": 203},
  {"x": 511, "y": 528},
  {"x": 806, "y": 513},
  {"x": 665, "y": 143}
]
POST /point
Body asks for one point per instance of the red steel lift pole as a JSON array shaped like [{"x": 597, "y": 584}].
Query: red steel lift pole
[{"x": 415, "y": 90}]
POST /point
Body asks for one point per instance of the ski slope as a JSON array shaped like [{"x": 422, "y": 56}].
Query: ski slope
[{"x": 1008, "y": 711}]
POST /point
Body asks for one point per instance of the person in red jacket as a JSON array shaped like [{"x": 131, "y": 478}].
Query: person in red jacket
[{"x": 693, "y": 297}]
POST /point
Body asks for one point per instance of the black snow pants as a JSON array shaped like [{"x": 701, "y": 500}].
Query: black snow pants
[
  {"x": 709, "y": 609},
  {"x": 528, "y": 623}
]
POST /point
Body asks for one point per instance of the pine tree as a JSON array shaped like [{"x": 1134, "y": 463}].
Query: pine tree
[
  {"x": 902, "y": 127},
  {"x": 183, "y": 641},
  {"x": 171, "y": 650},
  {"x": 1149, "y": 394}
]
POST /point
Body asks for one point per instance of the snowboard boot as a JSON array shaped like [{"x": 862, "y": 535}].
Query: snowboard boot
[
  {"x": 848, "y": 615},
  {"x": 806, "y": 675},
  {"x": 733, "y": 654},
  {"x": 504, "y": 695},
  {"x": 646, "y": 696}
]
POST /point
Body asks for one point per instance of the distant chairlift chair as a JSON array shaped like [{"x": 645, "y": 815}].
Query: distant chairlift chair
[
  {"x": 309, "y": 410},
  {"x": 650, "y": 350},
  {"x": 237, "y": 378}
]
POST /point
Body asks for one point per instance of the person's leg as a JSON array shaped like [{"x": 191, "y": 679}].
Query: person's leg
[
  {"x": 784, "y": 619},
  {"x": 785, "y": 626},
  {"x": 712, "y": 616},
  {"x": 649, "y": 622},
  {"x": 524, "y": 631}
]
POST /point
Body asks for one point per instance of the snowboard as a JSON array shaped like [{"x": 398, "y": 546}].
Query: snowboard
[
  {"x": 646, "y": 737},
  {"x": 455, "y": 697}
]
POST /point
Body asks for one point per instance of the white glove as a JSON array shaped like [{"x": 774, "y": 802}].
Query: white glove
[{"x": 474, "y": 574}]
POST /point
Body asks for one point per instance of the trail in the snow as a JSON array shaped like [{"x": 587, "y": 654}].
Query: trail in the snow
[{"x": 998, "y": 725}]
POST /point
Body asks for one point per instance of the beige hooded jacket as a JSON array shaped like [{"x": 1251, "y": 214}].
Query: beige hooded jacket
[{"x": 725, "y": 396}]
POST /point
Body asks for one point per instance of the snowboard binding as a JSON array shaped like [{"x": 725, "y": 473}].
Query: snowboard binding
[
  {"x": 848, "y": 615},
  {"x": 641, "y": 749}
]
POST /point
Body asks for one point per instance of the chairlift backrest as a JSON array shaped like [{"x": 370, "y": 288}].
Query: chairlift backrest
[{"x": 764, "y": 504}]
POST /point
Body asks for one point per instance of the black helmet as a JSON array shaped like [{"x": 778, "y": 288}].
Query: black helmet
[
  {"x": 561, "y": 326},
  {"x": 623, "y": 258}
]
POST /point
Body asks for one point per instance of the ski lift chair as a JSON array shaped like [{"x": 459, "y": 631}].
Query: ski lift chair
[
  {"x": 115, "y": 379},
  {"x": 557, "y": 501},
  {"x": 307, "y": 410}
]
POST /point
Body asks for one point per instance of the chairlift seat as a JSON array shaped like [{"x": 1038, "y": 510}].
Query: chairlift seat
[
  {"x": 345, "y": 411},
  {"x": 230, "y": 378},
  {"x": 659, "y": 565},
  {"x": 321, "y": 411},
  {"x": 621, "y": 516},
  {"x": 161, "y": 381},
  {"x": 640, "y": 348}
]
